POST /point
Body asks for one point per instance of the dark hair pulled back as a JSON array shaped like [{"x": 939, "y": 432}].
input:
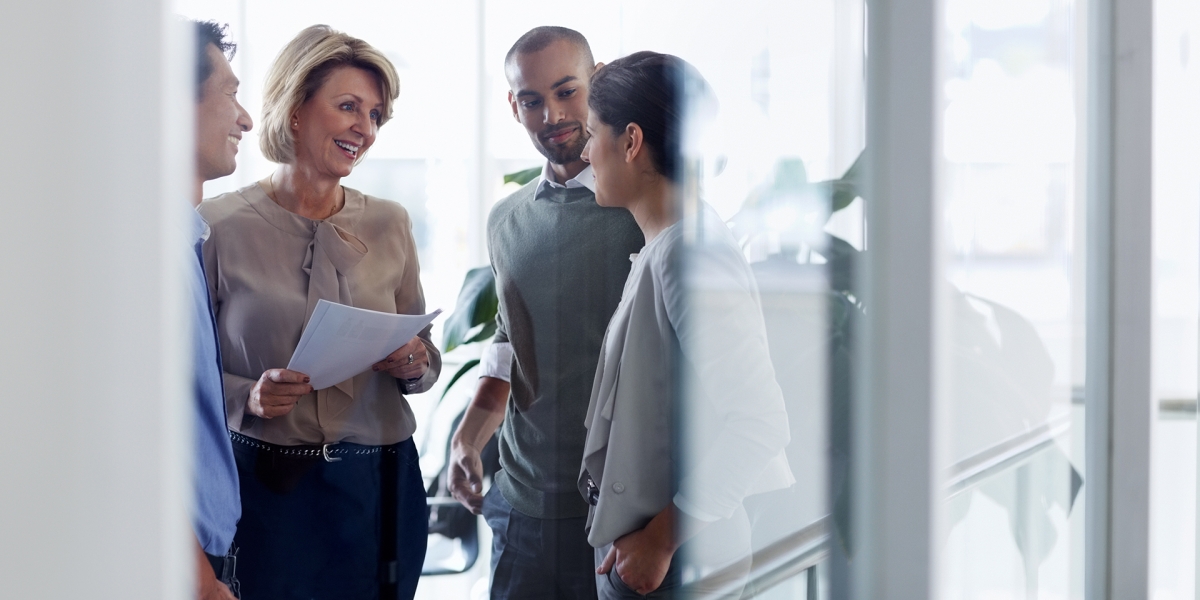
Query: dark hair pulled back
[{"x": 650, "y": 89}]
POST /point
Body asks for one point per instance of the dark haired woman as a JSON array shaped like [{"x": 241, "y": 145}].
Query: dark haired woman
[{"x": 667, "y": 505}]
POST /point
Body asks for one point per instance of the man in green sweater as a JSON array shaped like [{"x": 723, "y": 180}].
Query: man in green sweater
[{"x": 560, "y": 262}]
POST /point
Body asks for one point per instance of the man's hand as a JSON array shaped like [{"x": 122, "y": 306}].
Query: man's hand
[
  {"x": 207, "y": 585},
  {"x": 277, "y": 392},
  {"x": 466, "y": 476},
  {"x": 218, "y": 591},
  {"x": 478, "y": 425},
  {"x": 396, "y": 364}
]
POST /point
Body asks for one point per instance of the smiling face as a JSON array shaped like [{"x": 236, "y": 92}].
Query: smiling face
[
  {"x": 337, "y": 125},
  {"x": 220, "y": 120},
  {"x": 548, "y": 94},
  {"x": 608, "y": 153}
]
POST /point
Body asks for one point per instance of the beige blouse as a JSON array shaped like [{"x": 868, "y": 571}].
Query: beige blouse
[{"x": 267, "y": 268}]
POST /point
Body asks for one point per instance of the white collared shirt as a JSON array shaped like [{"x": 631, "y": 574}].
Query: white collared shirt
[
  {"x": 586, "y": 178},
  {"x": 496, "y": 361}
]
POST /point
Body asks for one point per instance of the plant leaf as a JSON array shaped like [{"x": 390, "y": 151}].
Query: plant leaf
[
  {"x": 486, "y": 333},
  {"x": 467, "y": 366},
  {"x": 523, "y": 177},
  {"x": 842, "y": 193},
  {"x": 477, "y": 305},
  {"x": 855, "y": 172}
]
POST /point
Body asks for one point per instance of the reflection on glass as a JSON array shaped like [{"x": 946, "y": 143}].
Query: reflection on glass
[
  {"x": 792, "y": 205},
  {"x": 789, "y": 80},
  {"x": 778, "y": 169},
  {"x": 1011, "y": 299}
]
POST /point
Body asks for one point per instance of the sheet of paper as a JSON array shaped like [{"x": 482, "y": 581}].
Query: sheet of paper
[{"x": 341, "y": 341}]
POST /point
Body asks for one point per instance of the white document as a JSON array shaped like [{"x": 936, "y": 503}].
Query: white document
[{"x": 341, "y": 341}]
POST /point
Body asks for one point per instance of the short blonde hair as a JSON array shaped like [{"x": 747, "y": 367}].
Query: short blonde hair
[{"x": 302, "y": 68}]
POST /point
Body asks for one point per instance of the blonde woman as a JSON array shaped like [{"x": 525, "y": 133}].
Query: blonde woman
[{"x": 333, "y": 504}]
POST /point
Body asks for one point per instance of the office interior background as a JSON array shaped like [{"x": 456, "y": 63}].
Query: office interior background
[{"x": 986, "y": 331}]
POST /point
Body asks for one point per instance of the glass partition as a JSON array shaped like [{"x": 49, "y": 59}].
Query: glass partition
[
  {"x": 1011, "y": 173},
  {"x": 774, "y": 174},
  {"x": 827, "y": 361},
  {"x": 773, "y": 167},
  {"x": 775, "y": 171},
  {"x": 768, "y": 156},
  {"x": 1176, "y": 208}
]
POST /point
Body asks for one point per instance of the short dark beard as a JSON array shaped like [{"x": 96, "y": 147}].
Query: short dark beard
[{"x": 562, "y": 155}]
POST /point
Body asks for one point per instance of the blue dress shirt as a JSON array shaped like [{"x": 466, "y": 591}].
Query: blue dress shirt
[{"x": 217, "y": 504}]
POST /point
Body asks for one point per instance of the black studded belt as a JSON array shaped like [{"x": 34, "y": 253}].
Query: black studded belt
[
  {"x": 225, "y": 569},
  {"x": 332, "y": 452}
]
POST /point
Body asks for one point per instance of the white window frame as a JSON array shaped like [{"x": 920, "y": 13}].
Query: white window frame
[
  {"x": 897, "y": 421},
  {"x": 1118, "y": 394},
  {"x": 894, "y": 468}
]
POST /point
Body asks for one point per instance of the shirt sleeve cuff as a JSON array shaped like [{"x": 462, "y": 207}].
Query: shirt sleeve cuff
[
  {"x": 413, "y": 386},
  {"x": 693, "y": 510},
  {"x": 237, "y": 394},
  {"x": 496, "y": 361}
]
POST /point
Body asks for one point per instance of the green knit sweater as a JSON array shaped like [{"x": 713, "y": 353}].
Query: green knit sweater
[{"x": 560, "y": 262}]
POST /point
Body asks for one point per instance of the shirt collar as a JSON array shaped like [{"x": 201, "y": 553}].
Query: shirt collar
[
  {"x": 197, "y": 227},
  {"x": 586, "y": 178}
]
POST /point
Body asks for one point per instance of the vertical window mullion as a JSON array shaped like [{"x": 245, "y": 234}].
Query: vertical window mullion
[
  {"x": 1119, "y": 391},
  {"x": 895, "y": 439}
]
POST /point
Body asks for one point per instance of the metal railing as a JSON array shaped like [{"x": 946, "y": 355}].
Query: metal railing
[
  {"x": 805, "y": 549},
  {"x": 771, "y": 565},
  {"x": 1009, "y": 453}
]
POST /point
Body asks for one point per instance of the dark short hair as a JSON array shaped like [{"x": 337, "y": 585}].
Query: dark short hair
[
  {"x": 649, "y": 89},
  {"x": 539, "y": 38},
  {"x": 209, "y": 32}
]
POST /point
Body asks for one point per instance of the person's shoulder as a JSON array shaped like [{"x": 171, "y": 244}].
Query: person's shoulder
[
  {"x": 717, "y": 235},
  {"x": 225, "y": 206},
  {"x": 521, "y": 195},
  {"x": 511, "y": 202},
  {"x": 620, "y": 223},
  {"x": 715, "y": 258},
  {"x": 664, "y": 249},
  {"x": 381, "y": 209}
]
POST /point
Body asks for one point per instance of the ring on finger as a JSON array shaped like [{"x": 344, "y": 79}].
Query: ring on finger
[{"x": 410, "y": 359}]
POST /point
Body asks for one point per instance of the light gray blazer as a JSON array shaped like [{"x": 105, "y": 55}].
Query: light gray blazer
[{"x": 721, "y": 437}]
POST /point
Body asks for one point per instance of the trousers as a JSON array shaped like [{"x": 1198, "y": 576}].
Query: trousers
[{"x": 355, "y": 529}]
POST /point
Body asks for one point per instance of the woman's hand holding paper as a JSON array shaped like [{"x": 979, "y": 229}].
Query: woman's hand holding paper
[
  {"x": 277, "y": 392},
  {"x": 410, "y": 361}
]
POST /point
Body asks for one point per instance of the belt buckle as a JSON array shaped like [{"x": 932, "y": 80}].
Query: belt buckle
[
  {"x": 593, "y": 492},
  {"x": 229, "y": 569},
  {"x": 325, "y": 453}
]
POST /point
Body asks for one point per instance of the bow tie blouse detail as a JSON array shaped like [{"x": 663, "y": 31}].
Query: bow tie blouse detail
[
  {"x": 332, "y": 254},
  {"x": 268, "y": 268}
]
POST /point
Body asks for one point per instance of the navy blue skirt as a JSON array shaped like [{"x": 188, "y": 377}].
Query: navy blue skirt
[{"x": 314, "y": 529}]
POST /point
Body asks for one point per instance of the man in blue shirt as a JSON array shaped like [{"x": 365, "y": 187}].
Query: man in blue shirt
[{"x": 216, "y": 507}]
